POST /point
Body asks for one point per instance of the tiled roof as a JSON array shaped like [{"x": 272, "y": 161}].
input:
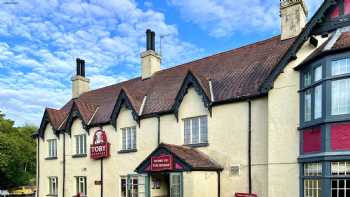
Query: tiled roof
[
  {"x": 195, "y": 158},
  {"x": 235, "y": 75}
]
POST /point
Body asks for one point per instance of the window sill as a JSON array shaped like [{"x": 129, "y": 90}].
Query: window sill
[
  {"x": 52, "y": 195},
  {"x": 197, "y": 145},
  {"x": 79, "y": 155},
  {"x": 127, "y": 151},
  {"x": 50, "y": 158}
]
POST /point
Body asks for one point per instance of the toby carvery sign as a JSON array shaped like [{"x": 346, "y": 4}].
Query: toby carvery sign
[
  {"x": 162, "y": 162},
  {"x": 100, "y": 147}
]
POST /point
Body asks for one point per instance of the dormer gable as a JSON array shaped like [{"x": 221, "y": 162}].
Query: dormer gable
[
  {"x": 123, "y": 100},
  {"x": 200, "y": 85}
]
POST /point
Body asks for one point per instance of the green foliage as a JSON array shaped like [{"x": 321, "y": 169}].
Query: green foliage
[{"x": 17, "y": 154}]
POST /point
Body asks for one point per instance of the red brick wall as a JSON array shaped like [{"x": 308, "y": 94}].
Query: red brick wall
[
  {"x": 340, "y": 136},
  {"x": 312, "y": 140}
]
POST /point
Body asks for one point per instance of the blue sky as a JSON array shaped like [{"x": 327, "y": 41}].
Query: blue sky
[{"x": 40, "y": 39}]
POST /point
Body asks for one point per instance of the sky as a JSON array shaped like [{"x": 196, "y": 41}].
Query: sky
[{"x": 40, "y": 40}]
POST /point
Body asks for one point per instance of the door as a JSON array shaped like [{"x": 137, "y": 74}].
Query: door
[{"x": 175, "y": 185}]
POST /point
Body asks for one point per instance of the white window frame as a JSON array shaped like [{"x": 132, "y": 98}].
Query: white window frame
[
  {"x": 200, "y": 131},
  {"x": 80, "y": 144},
  {"x": 129, "y": 185},
  {"x": 129, "y": 138},
  {"x": 81, "y": 180},
  {"x": 53, "y": 185},
  {"x": 52, "y": 146}
]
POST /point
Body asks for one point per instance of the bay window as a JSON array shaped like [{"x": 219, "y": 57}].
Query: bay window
[
  {"x": 325, "y": 90},
  {"x": 340, "y": 179}
]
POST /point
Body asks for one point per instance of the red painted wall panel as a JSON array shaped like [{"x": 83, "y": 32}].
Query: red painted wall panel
[
  {"x": 340, "y": 136},
  {"x": 312, "y": 140},
  {"x": 346, "y": 7}
]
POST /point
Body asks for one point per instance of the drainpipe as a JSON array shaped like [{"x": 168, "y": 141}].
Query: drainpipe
[
  {"x": 250, "y": 147},
  {"x": 101, "y": 177},
  {"x": 38, "y": 168},
  {"x": 219, "y": 183},
  {"x": 158, "y": 140},
  {"x": 64, "y": 165}
]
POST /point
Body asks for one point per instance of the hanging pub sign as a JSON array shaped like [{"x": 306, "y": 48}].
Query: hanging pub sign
[
  {"x": 100, "y": 147},
  {"x": 161, "y": 163}
]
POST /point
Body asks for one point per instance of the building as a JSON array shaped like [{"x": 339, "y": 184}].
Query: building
[{"x": 270, "y": 118}]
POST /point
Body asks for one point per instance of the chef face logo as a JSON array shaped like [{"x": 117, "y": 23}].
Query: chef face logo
[{"x": 99, "y": 138}]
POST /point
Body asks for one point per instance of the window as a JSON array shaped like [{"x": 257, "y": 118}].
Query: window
[
  {"x": 80, "y": 144},
  {"x": 340, "y": 67},
  {"x": 341, "y": 97},
  {"x": 175, "y": 185},
  {"x": 81, "y": 185},
  {"x": 129, "y": 138},
  {"x": 318, "y": 73},
  {"x": 133, "y": 186},
  {"x": 312, "y": 182},
  {"x": 340, "y": 186},
  {"x": 307, "y": 79},
  {"x": 318, "y": 102},
  {"x": 325, "y": 91},
  {"x": 53, "y": 188},
  {"x": 196, "y": 130},
  {"x": 52, "y": 148},
  {"x": 307, "y": 105}
]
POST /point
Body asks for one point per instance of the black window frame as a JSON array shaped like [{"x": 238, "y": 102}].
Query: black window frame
[{"x": 326, "y": 82}]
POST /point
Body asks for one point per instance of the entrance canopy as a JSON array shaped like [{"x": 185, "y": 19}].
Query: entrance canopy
[{"x": 173, "y": 158}]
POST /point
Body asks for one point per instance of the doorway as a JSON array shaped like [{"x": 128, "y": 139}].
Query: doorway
[{"x": 165, "y": 184}]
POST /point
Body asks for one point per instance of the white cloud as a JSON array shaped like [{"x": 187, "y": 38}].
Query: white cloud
[
  {"x": 41, "y": 40},
  {"x": 224, "y": 18}
]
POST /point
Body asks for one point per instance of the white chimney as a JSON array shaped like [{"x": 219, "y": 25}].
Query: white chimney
[
  {"x": 150, "y": 60},
  {"x": 293, "y": 17},
  {"x": 80, "y": 84}
]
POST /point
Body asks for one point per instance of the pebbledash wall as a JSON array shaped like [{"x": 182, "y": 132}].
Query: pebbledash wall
[{"x": 278, "y": 159}]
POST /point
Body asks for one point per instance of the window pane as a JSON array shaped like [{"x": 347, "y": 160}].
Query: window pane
[
  {"x": 341, "y": 97},
  {"x": 318, "y": 102},
  {"x": 340, "y": 67},
  {"x": 123, "y": 139},
  {"x": 312, "y": 188},
  {"x": 307, "y": 105},
  {"x": 129, "y": 136},
  {"x": 312, "y": 169},
  {"x": 134, "y": 138},
  {"x": 195, "y": 130},
  {"x": 318, "y": 73},
  {"x": 187, "y": 130},
  {"x": 204, "y": 129},
  {"x": 77, "y": 151},
  {"x": 307, "y": 79}
]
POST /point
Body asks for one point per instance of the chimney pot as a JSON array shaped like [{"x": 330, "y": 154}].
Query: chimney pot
[
  {"x": 80, "y": 84},
  {"x": 150, "y": 60}
]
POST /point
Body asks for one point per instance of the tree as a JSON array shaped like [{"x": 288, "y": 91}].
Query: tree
[{"x": 17, "y": 154}]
